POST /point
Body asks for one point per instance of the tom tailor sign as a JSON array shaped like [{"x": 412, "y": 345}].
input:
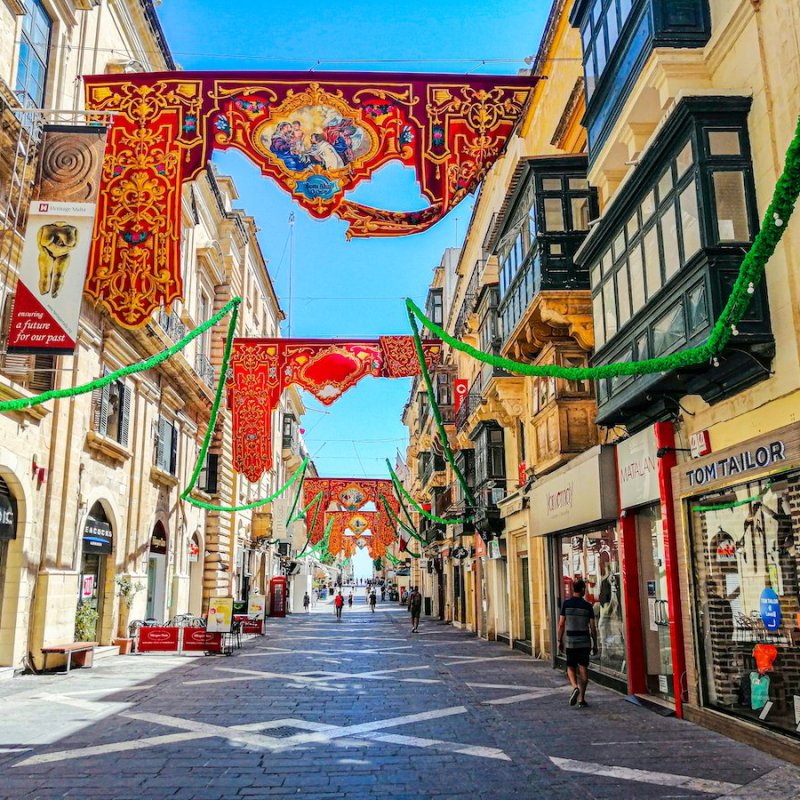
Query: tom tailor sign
[{"x": 733, "y": 465}]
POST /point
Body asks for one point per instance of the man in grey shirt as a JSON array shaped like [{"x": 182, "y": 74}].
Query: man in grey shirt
[{"x": 578, "y": 623}]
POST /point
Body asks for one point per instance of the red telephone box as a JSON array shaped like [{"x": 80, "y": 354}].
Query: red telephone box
[{"x": 277, "y": 596}]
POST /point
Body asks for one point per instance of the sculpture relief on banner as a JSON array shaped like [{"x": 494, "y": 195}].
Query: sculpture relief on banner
[{"x": 318, "y": 137}]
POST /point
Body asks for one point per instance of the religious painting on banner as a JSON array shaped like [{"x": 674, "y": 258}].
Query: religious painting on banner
[
  {"x": 58, "y": 239},
  {"x": 260, "y": 370},
  {"x": 317, "y": 136}
]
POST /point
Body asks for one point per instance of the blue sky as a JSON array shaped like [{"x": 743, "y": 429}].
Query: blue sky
[{"x": 355, "y": 288}]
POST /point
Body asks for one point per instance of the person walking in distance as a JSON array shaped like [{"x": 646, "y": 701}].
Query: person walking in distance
[
  {"x": 415, "y": 607},
  {"x": 306, "y": 602},
  {"x": 373, "y": 599},
  {"x": 350, "y": 600},
  {"x": 338, "y": 605},
  {"x": 577, "y": 622}
]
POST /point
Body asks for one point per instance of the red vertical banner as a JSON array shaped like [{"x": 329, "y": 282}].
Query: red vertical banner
[
  {"x": 460, "y": 390},
  {"x": 665, "y": 441}
]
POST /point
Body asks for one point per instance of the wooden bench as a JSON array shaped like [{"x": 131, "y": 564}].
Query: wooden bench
[{"x": 83, "y": 652}]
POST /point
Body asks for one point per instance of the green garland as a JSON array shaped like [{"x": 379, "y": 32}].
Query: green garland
[
  {"x": 734, "y": 503},
  {"x": 301, "y": 515},
  {"x": 750, "y": 275},
  {"x": 412, "y": 532},
  {"x": 417, "y": 507},
  {"x": 72, "y": 391},
  {"x": 320, "y": 545},
  {"x": 437, "y": 416}
]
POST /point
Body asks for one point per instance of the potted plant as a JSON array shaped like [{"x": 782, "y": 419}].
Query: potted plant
[
  {"x": 85, "y": 622},
  {"x": 127, "y": 590}
]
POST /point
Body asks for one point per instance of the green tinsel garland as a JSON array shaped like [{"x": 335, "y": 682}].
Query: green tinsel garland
[
  {"x": 750, "y": 274},
  {"x": 417, "y": 507},
  {"x": 301, "y": 515},
  {"x": 72, "y": 391},
  {"x": 320, "y": 545},
  {"x": 437, "y": 416},
  {"x": 399, "y": 523}
]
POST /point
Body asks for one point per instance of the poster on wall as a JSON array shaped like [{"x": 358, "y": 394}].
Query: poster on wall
[
  {"x": 220, "y": 615},
  {"x": 87, "y": 587},
  {"x": 58, "y": 239},
  {"x": 257, "y": 606}
]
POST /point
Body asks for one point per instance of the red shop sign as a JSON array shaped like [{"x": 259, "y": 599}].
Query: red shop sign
[{"x": 158, "y": 640}]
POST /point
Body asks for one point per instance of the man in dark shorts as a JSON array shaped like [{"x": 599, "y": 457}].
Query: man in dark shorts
[{"x": 578, "y": 623}]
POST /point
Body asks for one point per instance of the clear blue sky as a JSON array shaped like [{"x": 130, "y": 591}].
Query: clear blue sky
[{"x": 356, "y": 288}]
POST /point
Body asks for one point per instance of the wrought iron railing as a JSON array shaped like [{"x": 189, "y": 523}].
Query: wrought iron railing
[
  {"x": 171, "y": 324},
  {"x": 205, "y": 369}
]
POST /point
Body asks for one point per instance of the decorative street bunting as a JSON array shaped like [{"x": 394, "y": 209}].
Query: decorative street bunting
[
  {"x": 317, "y": 136},
  {"x": 262, "y": 368}
]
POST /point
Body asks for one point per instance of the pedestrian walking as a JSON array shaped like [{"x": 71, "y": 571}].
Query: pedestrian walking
[
  {"x": 314, "y": 598},
  {"x": 577, "y": 622},
  {"x": 373, "y": 599},
  {"x": 338, "y": 605},
  {"x": 306, "y": 602},
  {"x": 415, "y": 607},
  {"x": 350, "y": 600},
  {"x": 383, "y": 593}
]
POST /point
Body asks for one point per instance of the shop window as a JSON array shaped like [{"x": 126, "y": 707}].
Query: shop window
[
  {"x": 33, "y": 55},
  {"x": 595, "y": 557},
  {"x": 166, "y": 446},
  {"x": 746, "y": 546}
]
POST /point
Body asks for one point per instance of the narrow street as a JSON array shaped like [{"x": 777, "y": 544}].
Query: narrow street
[{"x": 352, "y": 710}]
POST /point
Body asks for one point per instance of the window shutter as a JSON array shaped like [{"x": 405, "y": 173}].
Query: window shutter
[
  {"x": 161, "y": 442},
  {"x": 125, "y": 413},
  {"x": 16, "y": 365},
  {"x": 173, "y": 460},
  {"x": 213, "y": 467},
  {"x": 103, "y": 424},
  {"x": 43, "y": 375},
  {"x": 96, "y": 409}
]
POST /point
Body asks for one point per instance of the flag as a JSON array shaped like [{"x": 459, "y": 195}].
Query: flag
[
  {"x": 401, "y": 468},
  {"x": 404, "y": 537}
]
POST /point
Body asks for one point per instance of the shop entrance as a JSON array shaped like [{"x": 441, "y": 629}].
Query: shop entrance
[
  {"x": 655, "y": 612},
  {"x": 157, "y": 573},
  {"x": 526, "y": 600},
  {"x": 96, "y": 546}
]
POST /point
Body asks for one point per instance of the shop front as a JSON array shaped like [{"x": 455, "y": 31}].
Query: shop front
[
  {"x": 650, "y": 576},
  {"x": 741, "y": 511},
  {"x": 96, "y": 546},
  {"x": 157, "y": 574},
  {"x": 576, "y": 509}
]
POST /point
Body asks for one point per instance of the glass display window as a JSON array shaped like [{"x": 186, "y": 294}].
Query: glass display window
[
  {"x": 595, "y": 557},
  {"x": 746, "y": 549}
]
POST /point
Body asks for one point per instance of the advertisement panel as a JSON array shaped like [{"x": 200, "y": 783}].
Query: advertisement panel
[
  {"x": 220, "y": 615},
  {"x": 257, "y": 606},
  {"x": 58, "y": 238}
]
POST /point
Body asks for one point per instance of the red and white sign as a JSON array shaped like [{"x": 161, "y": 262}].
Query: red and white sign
[
  {"x": 158, "y": 640},
  {"x": 87, "y": 587},
  {"x": 460, "y": 390},
  {"x": 700, "y": 444},
  {"x": 52, "y": 273},
  {"x": 523, "y": 473}
]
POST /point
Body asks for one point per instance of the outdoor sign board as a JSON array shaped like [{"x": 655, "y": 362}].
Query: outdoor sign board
[
  {"x": 8, "y": 519},
  {"x": 58, "y": 238},
  {"x": 257, "y": 606},
  {"x": 220, "y": 615},
  {"x": 637, "y": 469},
  {"x": 97, "y": 536},
  {"x": 87, "y": 587},
  {"x": 158, "y": 542}
]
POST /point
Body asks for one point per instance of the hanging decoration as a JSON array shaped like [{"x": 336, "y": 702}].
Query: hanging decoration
[
  {"x": 262, "y": 368},
  {"x": 317, "y": 136},
  {"x": 346, "y": 495}
]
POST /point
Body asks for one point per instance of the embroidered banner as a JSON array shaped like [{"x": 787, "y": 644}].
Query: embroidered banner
[
  {"x": 318, "y": 136},
  {"x": 260, "y": 369},
  {"x": 350, "y": 530},
  {"x": 58, "y": 237}
]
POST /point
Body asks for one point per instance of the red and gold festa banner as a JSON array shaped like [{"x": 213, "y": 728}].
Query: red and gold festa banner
[
  {"x": 318, "y": 136},
  {"x": 58, "y": 238},
  {"x": 348, "y": 496},
  {"x": 260, "y": 369},
  {"x": 353, "y": 529}
]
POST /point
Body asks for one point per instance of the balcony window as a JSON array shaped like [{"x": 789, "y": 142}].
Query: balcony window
[
  {"x": 34, "y": 48},
  {"x": 207, "y": 479},
  {"x": 435, "y": 306},
  {"x": 289, "y": 432},
  {"x": 166, "y": 446},
  {"x": 490, "y": 462},
  {"x": 665, "y": 256},
  {"x": 545, "y": 226}
]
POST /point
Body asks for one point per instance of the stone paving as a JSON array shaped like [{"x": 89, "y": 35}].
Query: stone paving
[{"x": 354, "y": 710}]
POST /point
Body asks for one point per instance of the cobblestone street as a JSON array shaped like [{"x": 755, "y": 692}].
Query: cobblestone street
[{"x": 356, "y": 709}]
